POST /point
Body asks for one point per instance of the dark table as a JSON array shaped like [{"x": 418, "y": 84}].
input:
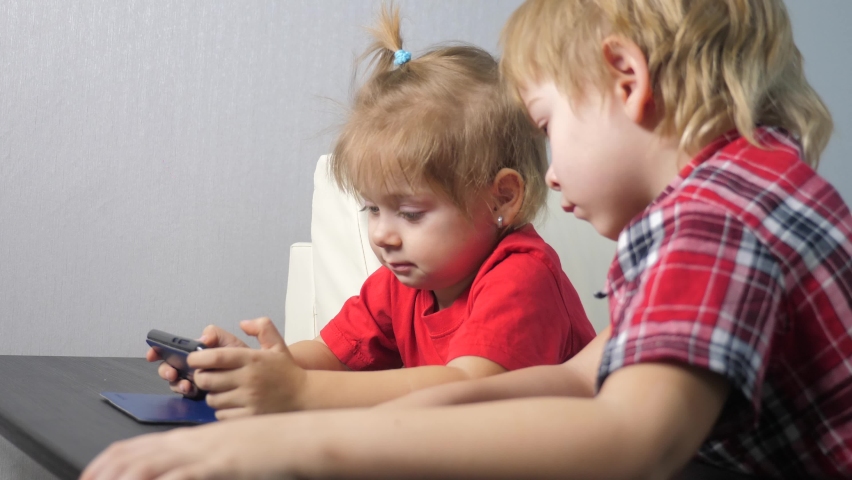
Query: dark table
[{"x": 51, "y": 408}]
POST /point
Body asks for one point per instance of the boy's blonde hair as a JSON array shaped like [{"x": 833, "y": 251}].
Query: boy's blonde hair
[
  {"x": 712, "y": 63},
  {"x": 443, "y": 120}
]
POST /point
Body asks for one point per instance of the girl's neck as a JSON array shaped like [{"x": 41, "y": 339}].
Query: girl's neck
[{"x": 447, "y": 296}]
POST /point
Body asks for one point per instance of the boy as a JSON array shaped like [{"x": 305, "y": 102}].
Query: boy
[{"x": 681, "y": 128}]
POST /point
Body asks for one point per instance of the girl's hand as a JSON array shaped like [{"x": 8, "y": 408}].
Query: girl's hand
[
  {"x": 212, "y": 336},
  {"x": 242, "y": 381}
]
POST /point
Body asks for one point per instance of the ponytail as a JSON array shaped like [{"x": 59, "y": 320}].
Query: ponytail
[{"x": 386, "y": 50}]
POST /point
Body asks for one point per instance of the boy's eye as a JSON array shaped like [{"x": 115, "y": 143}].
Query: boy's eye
[{"x": 411, "y": 216}]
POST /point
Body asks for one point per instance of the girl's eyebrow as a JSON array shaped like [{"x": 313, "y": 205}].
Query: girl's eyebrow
[
  {"x": 398, "y": 198},
  {"x": 416, "y": 198}
]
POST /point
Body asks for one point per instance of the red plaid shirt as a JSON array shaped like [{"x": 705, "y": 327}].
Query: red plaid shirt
[{"x": 743, "y": 266}]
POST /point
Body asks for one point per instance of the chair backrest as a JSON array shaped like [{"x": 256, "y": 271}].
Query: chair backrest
[{"x": 342, "y": 258}]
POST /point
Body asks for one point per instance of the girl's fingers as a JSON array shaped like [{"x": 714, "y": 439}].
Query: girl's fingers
[
  {"x": 185, "y": 387},
  {"x": 217, "y": 381},
  {"x": 214, "y": 336},
  {"x": 152, "y": 356},
  {"x": 167, "y": 372},
  {"x": 266, "y": 332},
  {"x": 224, "y": 358}
]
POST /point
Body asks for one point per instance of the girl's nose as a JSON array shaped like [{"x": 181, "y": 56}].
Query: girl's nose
[
  {"x": 382, "y": 233},
  {"x": 550, "y": 178}
]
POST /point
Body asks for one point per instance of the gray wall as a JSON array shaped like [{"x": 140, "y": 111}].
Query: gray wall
[
  {"x": 821, "y": 30},
  {"x": 156, "y": 157}
]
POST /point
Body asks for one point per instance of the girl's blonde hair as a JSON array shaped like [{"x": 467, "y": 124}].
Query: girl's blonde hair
[
  {"x": 712, "y": 63},
  {"x": 443, "y": 120}
]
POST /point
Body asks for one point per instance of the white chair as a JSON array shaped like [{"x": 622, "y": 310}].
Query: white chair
[{"x": 331, "y": 268}]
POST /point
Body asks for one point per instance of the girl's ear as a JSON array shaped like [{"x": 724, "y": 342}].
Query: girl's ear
[
  {"x": 508, "y": 194},
  {"x": 631, "y": 80}
]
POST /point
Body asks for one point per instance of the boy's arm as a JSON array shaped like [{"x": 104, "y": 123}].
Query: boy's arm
[
  {"x": 646, "y": 422},
  {"x": 576, "y": 378}
]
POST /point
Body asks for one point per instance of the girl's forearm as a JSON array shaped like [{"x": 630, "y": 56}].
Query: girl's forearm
[
  {"x": 315, "y": 355},
  {"x": 324, "y": 389},
  {"x": 541, "y": 381},
  {"x": 575, "y": 378}
]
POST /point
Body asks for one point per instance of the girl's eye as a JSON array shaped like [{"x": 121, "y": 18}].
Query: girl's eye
[
  {"x": 371, "y": 209},
  {"x": 544, "y": 128},
  {"x": 411, "y": 216}
]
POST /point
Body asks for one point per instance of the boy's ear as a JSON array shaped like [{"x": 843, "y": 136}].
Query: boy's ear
[
  {"x": 507, "y": 190},
  {"x": 631, "y": 80}
]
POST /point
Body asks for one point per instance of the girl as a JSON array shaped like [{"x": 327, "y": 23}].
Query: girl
[{"x": 451, "y": 173}]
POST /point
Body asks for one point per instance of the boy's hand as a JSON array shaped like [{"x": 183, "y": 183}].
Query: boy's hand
[
  {"x": 242, "y": 381},
  {"x": 212, "y": 336},
  {"x": 249, "y": 448}
]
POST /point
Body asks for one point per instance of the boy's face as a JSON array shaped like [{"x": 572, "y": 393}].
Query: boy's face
[
  {"x": 426, "y": 241},
  {"x": 596, "y": 156}
]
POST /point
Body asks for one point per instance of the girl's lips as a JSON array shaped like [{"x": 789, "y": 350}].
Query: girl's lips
[
  {"x": 401, "y": 267},
  {"x": 568, "y": 208}
]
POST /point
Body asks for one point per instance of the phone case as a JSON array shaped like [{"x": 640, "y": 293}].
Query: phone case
[
  {"x": 173, "y": 349},
  {"x": 171, "y": 409}
]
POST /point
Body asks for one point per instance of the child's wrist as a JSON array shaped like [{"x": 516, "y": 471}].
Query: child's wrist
[{"x": 302, "y": 398}]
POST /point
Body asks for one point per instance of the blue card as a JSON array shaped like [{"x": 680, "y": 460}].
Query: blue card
[{"x": 150, "y": 408}]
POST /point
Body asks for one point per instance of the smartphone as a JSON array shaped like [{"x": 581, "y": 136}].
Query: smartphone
[{"x": 174, "y": 349}]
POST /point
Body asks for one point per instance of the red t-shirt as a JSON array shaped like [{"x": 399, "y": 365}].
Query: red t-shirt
[{"x": 521, "y": 310}]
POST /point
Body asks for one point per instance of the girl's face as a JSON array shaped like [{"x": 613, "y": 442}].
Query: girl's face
[{"x": 427, "y": 242}]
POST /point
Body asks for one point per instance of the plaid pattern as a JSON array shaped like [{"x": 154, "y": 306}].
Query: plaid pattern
[{"x": 743, "y": 266}]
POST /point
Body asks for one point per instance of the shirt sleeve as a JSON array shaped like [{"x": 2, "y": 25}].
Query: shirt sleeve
[
  {"x": 361, "y": 336},
  {"x": 704, "y": 292},
  {"x": 517, "y": 316}
]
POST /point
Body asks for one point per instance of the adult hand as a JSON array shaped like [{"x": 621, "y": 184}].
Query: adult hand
[
  {"x": 212, "y": 336},
  {"x": 242, "y": 381}
]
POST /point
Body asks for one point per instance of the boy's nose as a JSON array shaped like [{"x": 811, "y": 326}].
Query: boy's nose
[{"x": 550, "y": 178}]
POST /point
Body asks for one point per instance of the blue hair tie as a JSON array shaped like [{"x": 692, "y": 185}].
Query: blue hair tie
[{"x": 401, "y": 57}]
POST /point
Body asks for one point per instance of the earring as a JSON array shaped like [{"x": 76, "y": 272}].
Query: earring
[{"x": 500, "y": 221}]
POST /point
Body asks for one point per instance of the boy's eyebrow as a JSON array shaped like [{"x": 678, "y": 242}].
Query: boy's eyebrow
[{"x": 533, "y": 101}]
